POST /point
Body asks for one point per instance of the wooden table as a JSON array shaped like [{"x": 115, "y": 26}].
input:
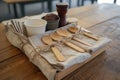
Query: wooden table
[
  {"x": 21, "y": 4},
  {"x": 14, "y": 65},
  {"x": 82, "y": 2}
]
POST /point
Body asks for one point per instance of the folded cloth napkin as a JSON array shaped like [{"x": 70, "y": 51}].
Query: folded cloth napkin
[
  {"x": 72, "y": 57},
  {"x": 21, "y": 41}
]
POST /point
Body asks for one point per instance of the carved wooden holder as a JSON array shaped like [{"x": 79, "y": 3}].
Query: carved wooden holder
[{"x": 62, "y": 10}]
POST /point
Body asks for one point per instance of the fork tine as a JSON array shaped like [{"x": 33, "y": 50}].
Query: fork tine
[
  {"x": 17, "y": 26},
  {"x": 12, "y": 28},
  {"x": 21, "y": 27},
  {"x": 24, "y": 29},
  {"x": 12, "y": 21}
]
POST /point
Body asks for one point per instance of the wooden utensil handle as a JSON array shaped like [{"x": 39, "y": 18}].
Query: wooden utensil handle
[
  {"x": 58, "y": 54},
  {"x": 81, "y": 41},
  {"x": 91, "y": 36},
  {"x": 74, "y": 46}
]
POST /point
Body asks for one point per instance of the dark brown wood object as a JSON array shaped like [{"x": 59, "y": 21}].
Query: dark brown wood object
[{"x": 62, "y": 10}]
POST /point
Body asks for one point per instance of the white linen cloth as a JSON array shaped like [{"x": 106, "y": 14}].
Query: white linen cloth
[
  {"x": 70, "y": 54},
  {"x": 72, "y": 57}
]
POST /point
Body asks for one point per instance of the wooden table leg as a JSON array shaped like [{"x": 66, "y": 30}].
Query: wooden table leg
[
  {"x": 15, "y": 10},
  {"x": 9, "y": 10},
  {"x": 92, "y": 1},
  {"x": 49, "y": 5},
  {"x": 43, "y": 6},
  {"x": 61, "y": 0},
  {"x": 22, "y": 9},
  {"x": 82, "y": 2},
  {"x": 69, "y": 3},
  {"x": 115, "y": 1},
  {"x": 78, "y": 2}
]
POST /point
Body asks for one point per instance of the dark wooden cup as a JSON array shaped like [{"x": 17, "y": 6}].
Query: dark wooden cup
[{"x": 62, "y": 10}]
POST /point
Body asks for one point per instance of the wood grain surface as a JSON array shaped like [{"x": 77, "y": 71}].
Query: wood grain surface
[
  {"x": 14, "y": 65},
  {"x": 18, "y": 1}
]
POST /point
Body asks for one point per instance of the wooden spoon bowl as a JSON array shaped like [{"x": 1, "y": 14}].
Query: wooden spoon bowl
[
  {"x": 73, "y": 29},
  {"x": 55, "y": 36},
  {"x": 63, "y": 32},
  {"x": 47, "y": 40}
]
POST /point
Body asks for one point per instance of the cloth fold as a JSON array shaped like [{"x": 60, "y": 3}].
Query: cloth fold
[{"x": 72, "y": 57}]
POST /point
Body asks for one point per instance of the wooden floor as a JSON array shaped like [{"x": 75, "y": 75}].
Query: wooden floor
[{"x": 14, "y": 65}]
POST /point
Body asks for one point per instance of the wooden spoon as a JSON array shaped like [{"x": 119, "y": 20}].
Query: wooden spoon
[
  {"x": 55, "y": 36},
  {"x": 81, "y": 41},
  {"x": 91, "y": 36},
  {"x": 47, "y": 40},
  {"x": 74, "y": 30},
  {"x": 69, "y": 44},
  {"x": 63, "y": 32}
]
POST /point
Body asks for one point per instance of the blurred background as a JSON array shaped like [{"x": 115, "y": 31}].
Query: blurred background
[{"x": 18, "y": 8}]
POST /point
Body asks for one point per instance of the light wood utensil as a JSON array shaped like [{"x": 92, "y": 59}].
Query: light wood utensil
[
  {"x": 47, "y": 40},
  {"x": 64, "y": 33},
  {"x": 81, "y": 41},
  {"x": 91, "y": 36},
  {"x": 55, "y": 36},
  {"x": 75, "y": 30},
  {"x": 73, "y": 46}
]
